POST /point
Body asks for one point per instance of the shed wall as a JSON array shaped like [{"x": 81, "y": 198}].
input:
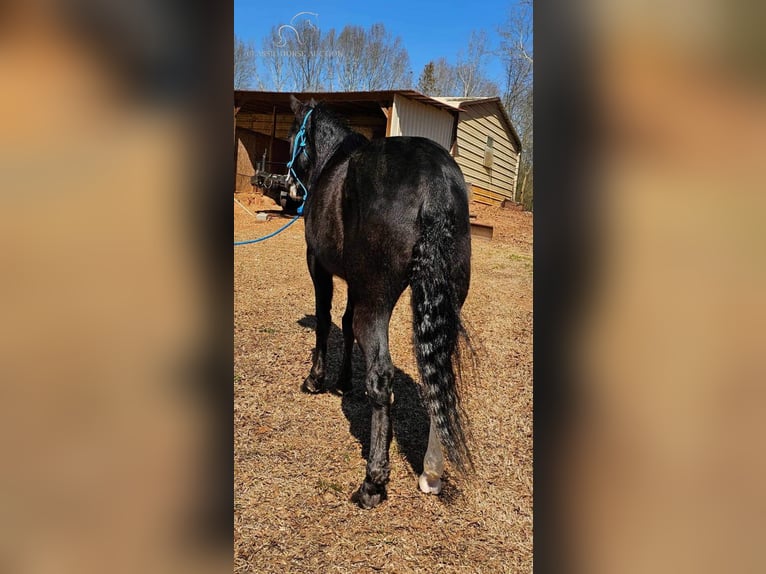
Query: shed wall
[
  {"x": 411, "y": 118},
  {"x": 477, "y": 122}
]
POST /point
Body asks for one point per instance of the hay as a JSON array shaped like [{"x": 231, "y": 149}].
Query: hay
[{"x": 299, "y": 457}]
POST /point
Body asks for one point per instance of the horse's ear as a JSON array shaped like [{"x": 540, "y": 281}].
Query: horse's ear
[
  {"x": 295, "y": 104},
  {"x": 313, "y": 103}
]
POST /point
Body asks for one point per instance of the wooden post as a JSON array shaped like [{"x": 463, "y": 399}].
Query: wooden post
[
  {"x": 454, "y": 150},
  {"x": 273, "y": 134},
  {"x": 387, "y": 112},
  {"x": 236, "y": 148}
]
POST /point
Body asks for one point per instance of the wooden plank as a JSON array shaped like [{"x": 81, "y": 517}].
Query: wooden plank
[
  {"x": 495, "y": 199},
  {"x": 236, "y": 146},
  {"x": 503, "y": 175},
  {"x": 486, "y": 178},
  {"x": 481, "y": 129},
  {"x": 484, "y": 114},
  {"x": 500, "y": 166},
  {"x": 484, "y": 201},
  {"x": 498, "y": 189},
  {"x": 484, "y": 191},
  {"x": 490, "y": 194},
  {"x": 387, "y": 110},
  {"x": 472, "y": 140},
  {"x": 273, "y": 133},
  {"x": 486, "y": 197},
  {"x": 284, "y": 121},
  {"x": 491, "y": 124},
  {"x": 481, "y": 230},
  {"x": 265, "y": 125},
  {"x": 476, "y": 137}
]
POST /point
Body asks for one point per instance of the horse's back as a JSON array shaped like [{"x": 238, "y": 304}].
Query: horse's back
[
  {"x": 390, "y": 179},
  {"x": 389, "y": 183},
  {"x": 384, "y": 167}
]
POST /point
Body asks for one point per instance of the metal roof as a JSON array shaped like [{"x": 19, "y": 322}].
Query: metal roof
[
  {"x": 265, "y": 102},
  {"x": 253, "y": 101}
]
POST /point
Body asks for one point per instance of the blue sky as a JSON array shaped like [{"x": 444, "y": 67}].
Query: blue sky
[{"x": 429, "y": 29}]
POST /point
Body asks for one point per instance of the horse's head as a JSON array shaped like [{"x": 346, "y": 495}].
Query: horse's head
[{"x": 302, "y": 149}]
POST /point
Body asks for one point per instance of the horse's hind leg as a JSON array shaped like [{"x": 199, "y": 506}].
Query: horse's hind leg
[
  {"x": 345, "y": 377},
  {"x": 433, "y": 465},
  {"x": 371, "y": 329},
  {"x": 322, "y": 279}
]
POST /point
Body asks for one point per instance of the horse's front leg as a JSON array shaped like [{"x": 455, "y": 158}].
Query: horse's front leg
[{"x": 315, "y": 382}]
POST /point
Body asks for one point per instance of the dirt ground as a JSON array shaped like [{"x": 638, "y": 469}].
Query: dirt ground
[{"x": 298, "y": 457}]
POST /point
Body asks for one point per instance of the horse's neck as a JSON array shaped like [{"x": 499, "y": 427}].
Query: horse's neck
[
  {"x": 333, "y": 142},
  {"x": 329, "y": 149}
]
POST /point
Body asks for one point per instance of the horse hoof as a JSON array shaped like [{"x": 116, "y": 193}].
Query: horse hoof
[
  {"x": 312, "y": 386},
  {"x": 430, "y": 485},
  {"x": 369, "y": 496}
]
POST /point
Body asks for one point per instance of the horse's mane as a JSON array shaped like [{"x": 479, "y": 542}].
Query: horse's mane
[
  {"x": 331, "y": 117},
  {"x": 348, "y": 139}
]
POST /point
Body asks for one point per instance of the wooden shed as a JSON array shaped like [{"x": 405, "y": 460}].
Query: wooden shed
[
  {"x": 262, "y": 121},
  {"x": 487, "y": 148}
]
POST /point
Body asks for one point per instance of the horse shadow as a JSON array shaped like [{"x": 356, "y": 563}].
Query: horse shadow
[{"x": 409, "y": 419}]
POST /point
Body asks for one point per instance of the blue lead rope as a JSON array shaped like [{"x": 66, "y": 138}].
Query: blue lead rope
[
  {"x": 298, "y": 142},
  {"x": 270, "y": 235}
]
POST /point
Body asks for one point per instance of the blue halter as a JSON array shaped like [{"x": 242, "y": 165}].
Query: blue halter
[
  {"x": 299, "y": 142},
  {"x": 299, "y": 145}
]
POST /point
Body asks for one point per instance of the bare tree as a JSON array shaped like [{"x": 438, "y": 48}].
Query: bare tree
[
  {"x": 301, "y": 57},
  {"x": 445, "y": 78},
  {"x": 329, "y": 46},
  {"x": 274, "y": 55},
  {"x": 351, "y": 45},
  {"x": 244, "y": 64},
  {"x": 386, "y": 60},
  {"x": 306, "y": 57},
  {"x": 466, "y": 78},
  {"x": 524, "y": 127},
  {"x": 469, "y": 70},
  {"x": 518, "y": 59},
  {"x": 371, "y": 59}
]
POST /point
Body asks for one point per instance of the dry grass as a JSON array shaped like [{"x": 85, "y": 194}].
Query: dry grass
[{"x": 299, "y": 457}]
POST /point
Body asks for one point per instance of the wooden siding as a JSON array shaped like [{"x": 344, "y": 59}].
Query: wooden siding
[
  {"x": 477, "y": 122},
  {"x": 249, "y": 145},
  {"x": 481, "y": 195},
  {"x": 262, "y": 123},
  {"x": 250, "y": 148},
  {"x": 411, "y": 118}
]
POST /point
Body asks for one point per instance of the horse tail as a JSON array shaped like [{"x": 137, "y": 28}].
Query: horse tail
[{"x": 438, "y": 329}]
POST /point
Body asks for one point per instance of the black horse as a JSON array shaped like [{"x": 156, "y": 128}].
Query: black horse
[{"x": 382, "y": 215}]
